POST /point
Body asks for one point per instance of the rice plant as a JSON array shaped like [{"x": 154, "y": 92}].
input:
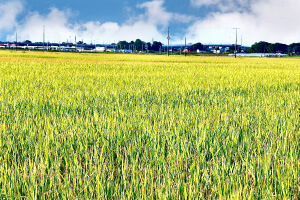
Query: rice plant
[{"x": 104, "y": 126}]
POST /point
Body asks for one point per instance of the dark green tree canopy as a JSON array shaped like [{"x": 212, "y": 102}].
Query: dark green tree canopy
[
  {"x": 197, "y": 46},
  {"x": 156, "y": 46},
  {"x": 280, "y": 48},
  {"x": 294, "y": 48},
  {"x": 27, "y": 42},
  {"x": 265, "y": 47},
  {"x": 139, "y": 45},
  {"x": 123, "y": 45},
  {"x": 260, "y": 47}
]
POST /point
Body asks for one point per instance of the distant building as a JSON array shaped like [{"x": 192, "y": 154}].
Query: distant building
[
  {"x": 260, "y": 55},
  {"x": 82, "y": 47}
]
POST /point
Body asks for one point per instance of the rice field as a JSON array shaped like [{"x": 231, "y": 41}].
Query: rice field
[{"x": 106, "y": 126}]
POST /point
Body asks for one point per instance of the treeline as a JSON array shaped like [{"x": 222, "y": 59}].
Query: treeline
[
  {"x": 139, "y": 45},
  {"x": 265, "y": 47}
]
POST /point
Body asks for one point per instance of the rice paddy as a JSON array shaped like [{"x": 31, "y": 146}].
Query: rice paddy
[{"x": 108, "y": 126}]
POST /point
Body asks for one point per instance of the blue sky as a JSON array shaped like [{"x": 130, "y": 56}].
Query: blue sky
[
  {"x": 113, "y": 10},
  {"x": 103, "y": 10},
  {"x": 110, "y": 21}
]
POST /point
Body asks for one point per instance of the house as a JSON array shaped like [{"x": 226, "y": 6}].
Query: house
[
  {"x": 260, "y": 55},
  {"x": 100, "y": 49}
]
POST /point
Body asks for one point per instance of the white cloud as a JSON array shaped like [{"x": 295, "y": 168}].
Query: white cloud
[
  {"x": 8, "y": 14},
  {"x": 204, "y": 2},
  {"x": 226, "y": 5},
  {"x": 268, "y": 20},
  {"x": 58, "y": 26},
  {"x": 157, "y": 15}
]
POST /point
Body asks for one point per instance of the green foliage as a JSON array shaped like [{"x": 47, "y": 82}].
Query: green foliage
[
  {"x": 27, "y": 42},
  {"x": 280, "y": 48},
  {"x": 123, "y": 45},
  {"x": 265, "y": 47},
  {"x": 294, "y": 48},
  {"x": 156, "y": 46},
  {"x": 106, "y": 126},
  {"x": 139, "y": 45},
  {"x": 197, "y": 46},
  {"x": 260, "y": 47}
]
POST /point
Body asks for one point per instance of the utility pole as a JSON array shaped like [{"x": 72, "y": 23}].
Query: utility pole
[
  {"x": 168, "y": 40},
  {"x": 235, "y": 41},
  {"x": 241, "y": 43},
  {"x": 185, "y": 47},
  {"x": 16, "y": 41},
  {"x": 43, "y": 38},
  {"x": 75, "y": 44}
]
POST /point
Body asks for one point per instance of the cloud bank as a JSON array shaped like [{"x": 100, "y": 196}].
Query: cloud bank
[
  {"x": 226, "y": 5},
  {"x": 268, "y": 20},
  {"x": 258, "y": 20},
  {"x": 58, "y": 26},
  {"x": 8, "y": 14}
]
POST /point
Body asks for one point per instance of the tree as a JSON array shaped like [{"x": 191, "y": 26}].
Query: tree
[
  {"x": 123, "y": 45},
  {"x": 156, "y": 46},
  {"x": 27, "y": 42},
  {"x": 294, "y": 48},
  {"x": 280, "y": 48},
  {"x": 131, "y": 45},
  {"x": 269, "y": 48},
  {"x": 197, "y": 46},
  {"x": 148, "y": 46},
  {"x": 265, "y": 47},
  {"x": 139, "y": 45},
  {"x": 260, "y": 47}
]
